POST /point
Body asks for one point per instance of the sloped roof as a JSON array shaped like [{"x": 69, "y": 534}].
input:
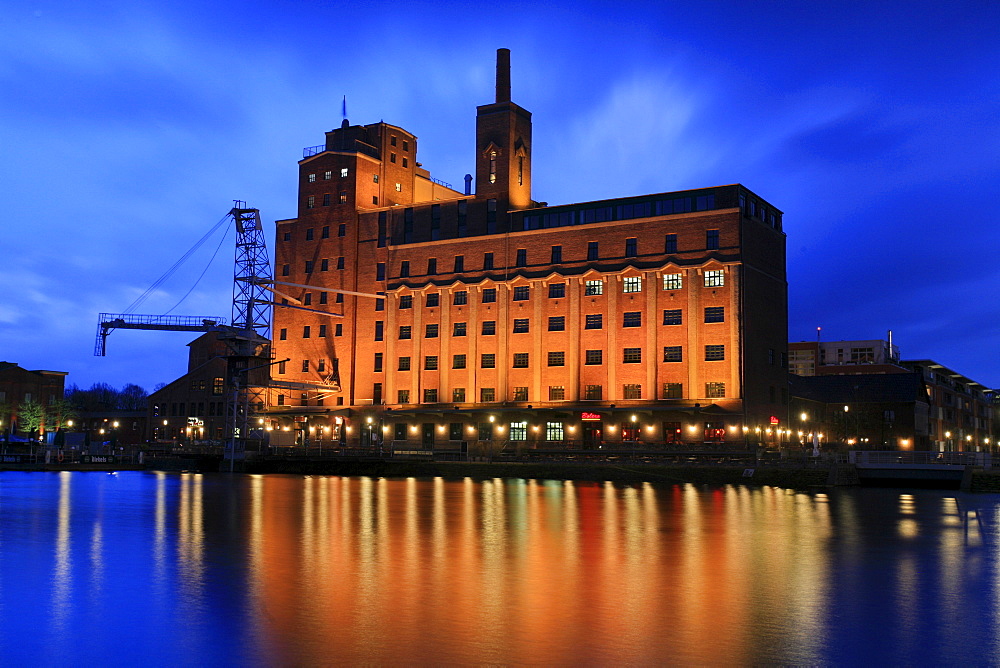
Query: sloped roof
[{"x": 859, "y": 388}]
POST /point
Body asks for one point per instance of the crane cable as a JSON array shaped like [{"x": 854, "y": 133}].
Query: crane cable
[
  {"x": 169, "y": 272},
  {"x": 200, "y": 276}
]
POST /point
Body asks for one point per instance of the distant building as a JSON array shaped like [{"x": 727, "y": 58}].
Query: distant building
[
  {"x": 823, "y": 358},
  {"x": 962, "y": 410},
  {"x": 18, "y": 386},
  {"x": 446, "y": 316},
  {"x": 863, "y": 411}
]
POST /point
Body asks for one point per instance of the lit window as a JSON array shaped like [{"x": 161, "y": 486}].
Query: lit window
[
  {"x": 343, "y": 197},
  {"x": 553, "y": 431},
  {"x": 312, "y": 178},
  {"x": 310, "y": 202},
  {"x": 594, "y": 321},
  {"x": 328, "y": 175},
  {"x": 557, "y": 358},
  {"x": 715, "y": 278},
  {"x": 715, "y": 314},
  {"x": 343, "y": 172},
  {"x": 632, "y": 319},
  {"x": 487, "y": 394},
  {"x": 520, "y": 394},
  {"x": 632, "y": 391},
  {"x": 594, "y": 288},
  {"x": 557, "y": 323},
  {"x": 673, "y": 354},
  {"x": 673, "y": 281},
  {"x": 557, "y": 393},
  {"x": 632, "y": 355},
  {"x": 402, "y": 397},
  {"x": 520, "y": 360},
  {"x": 715, "y": 390},
  {"x": 593, "y": 357},
  {"x": 399, "y": 187},
  {"x": 374, "y": 178},
  {"x": 593, "y": 392},
  {"x": 632, "y": 284},
  {"x": 715, "y": 353},
  {"x": 520, "y": 325}
]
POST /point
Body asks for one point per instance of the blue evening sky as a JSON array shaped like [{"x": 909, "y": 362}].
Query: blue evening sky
[{"x": 127, "y": 129}]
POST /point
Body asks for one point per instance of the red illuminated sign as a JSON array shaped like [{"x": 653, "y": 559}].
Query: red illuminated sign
[
  {"x": 774, "y": 419},
  {"x": 590, "y": 416}
]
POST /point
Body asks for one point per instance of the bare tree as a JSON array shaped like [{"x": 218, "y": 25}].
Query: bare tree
[{"x": 31, "y": 416}]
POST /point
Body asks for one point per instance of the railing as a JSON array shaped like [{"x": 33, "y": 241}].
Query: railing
[
  {"x": 310, "y": 151},
  {"x": 889, "y": 457},
  {"x": 441, "y": 183}
]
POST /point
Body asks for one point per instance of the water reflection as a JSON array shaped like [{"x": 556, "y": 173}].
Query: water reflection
[{"x": 308, "y": 570}]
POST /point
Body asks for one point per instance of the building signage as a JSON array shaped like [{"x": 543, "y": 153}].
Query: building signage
[
  {"x": 590, "y": 417},
  {"x": 774, "y": 419}
]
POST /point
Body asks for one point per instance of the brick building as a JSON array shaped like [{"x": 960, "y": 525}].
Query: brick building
[
  {"x": 18, "y": 386},
  {"x": 961, "y": 414},
  {"x": 654, "y": 318}
]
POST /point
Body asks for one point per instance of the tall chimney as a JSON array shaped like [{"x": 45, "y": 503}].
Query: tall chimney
[{"x": 503, "y": 75}]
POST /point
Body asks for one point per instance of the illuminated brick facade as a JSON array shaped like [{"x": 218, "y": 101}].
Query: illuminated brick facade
[{"x": 662, "y": 317}]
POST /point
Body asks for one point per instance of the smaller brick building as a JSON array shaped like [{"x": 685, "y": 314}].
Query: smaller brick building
[{"x": 18, "y": 385}]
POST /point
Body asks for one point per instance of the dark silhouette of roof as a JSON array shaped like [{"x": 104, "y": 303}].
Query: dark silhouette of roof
[{"x": 860, "y": 388}]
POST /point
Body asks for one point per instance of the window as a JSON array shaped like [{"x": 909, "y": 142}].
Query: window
[
  {"x": 715, "y": 353},
  {"x": 307, "y": 300},
  {"x": 405, "y": 301},
  {"x": 717, "y": 314},
  {"x": 378, "y": 363},
  {"x": 405, "y": 163},
  {"x": 287, "y": 236},
  {"x": 594, "y": 321},
  {"x": 379, "y": 304},
  {"x": 557, "y": 323},
  {"x": 327, "y": 175},
  {"x": 406, "y": 145},
  {"x": 342, "y": 230},
  {"x": 431, "y": 362},
  {"x": 305, "y": 366},
  {"x": 312, "y": 178},
  {"x": 487, "y": 260},
  {"x": 519, "y": 394},
  {"x": 404, "y": 269},
  {"x": 593, "y": 392},
  {"x": 283, "y": 334},
  {"x": 522, "y": 258},
  {"x": 553, "y": 431},
  {"x": 632, "y": 391},
  {"x": 281, "y": 367},
  {"x": 380, "y": 271},
  {"x": 340, "y": 298},
  {"x": 670, "y": 244},
  {"x": 379, "y": 327},
  {"x": 487, "y": 394},
  {"x": 488, "y": 361},
  {"x": 340, "y": 262},
  {"x": 309, "y": 234},
  {"x": 324, "y": 297},
  {"x": 399, "y": 187},
  {"x": 673, "y": 281},
  {"x": 557, "y": 393},
  {"x": 712, "y": 240},
  {"x": 392, "y": 142},
  {"x": 322, "y": 331},
  {"x": 431, "y": 331},
  {"x": 458, "y": 361},
  {"x": 632, "y": 355},
  {"x": 520, "y": 325},
  {"x": 458, "y": 395},
  {"x": 403, "y": 397},
  {"x": 521, "y": 293},
  {"x": 673, "y": 354},
  {"x": 631, "y": 247},
  {"x": 489, "y": 327},
  {"x": 556, "y": 254},
  {"x": 326, "y": 199},
  {"x": 405, "y": 332},
  {"x": 218, "y": 385},
  {"x": 557, "y": 358},
  {"x": 306, "y": 332},
  {"x": 459, "y": 263},
  {"x": 281, "y": 400},
  {"x": 343, "y": 197},
  {"x": 432, "y": 266},
  {"x": 632, "y": 319},
  {"x": 593, "y": 251},
  {"x": 519, "y": 430},
  {"x": 715, "y": 390},
  {"x": 557, "y": 290},
  {"x": 309, "y": 266},
  {"x": 593, "y": 357},
  {"x": 324, "y": 264},
  {"x": 672, "y": 316},
  {"x": 715, "y": 278},
  {"x": 489, "y": 295},
  {"x": 632, "y": 284},
  {"x": 520, "y": 360},
  {"x": 594, "y": 288},
  {"x": 460, "y": 297},
  {"x": 673, "y": 390},
  {"x": 404, "y": 364},
  {"x": 321, "y": 366},
  {"x": 458, "y": 329},
  {"x": 343, "y": 172},
  {"x": 433, "y": 298}
]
